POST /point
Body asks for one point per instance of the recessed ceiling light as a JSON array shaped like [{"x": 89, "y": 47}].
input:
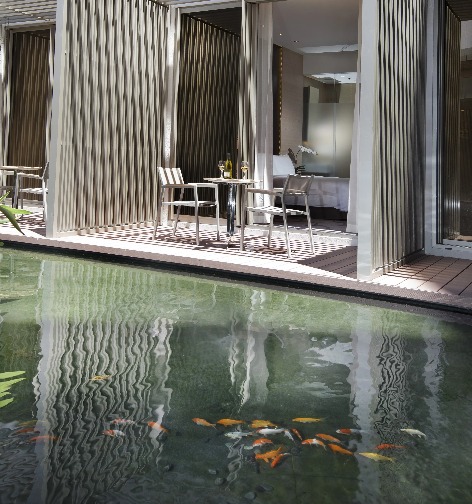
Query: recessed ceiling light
[
  {"x": 296, "y": 41},
  {"x": 280, "y": 34}
]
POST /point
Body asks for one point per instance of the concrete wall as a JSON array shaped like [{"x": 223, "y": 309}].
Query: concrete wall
[{"x": 292, "y": 101}]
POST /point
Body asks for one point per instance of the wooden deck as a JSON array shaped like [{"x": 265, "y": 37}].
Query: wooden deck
[{"x": 431, "y": 281}]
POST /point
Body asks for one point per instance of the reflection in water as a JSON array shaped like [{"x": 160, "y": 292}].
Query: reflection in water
[{"x": 177, "y": 348}]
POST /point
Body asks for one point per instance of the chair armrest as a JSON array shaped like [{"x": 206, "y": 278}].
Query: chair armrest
[
  {"x": 276, "y": 191},
  {"x": 176, "y": 186},
  {"x": 29, "y": 175},
  {"x": 203, "y": 184}
]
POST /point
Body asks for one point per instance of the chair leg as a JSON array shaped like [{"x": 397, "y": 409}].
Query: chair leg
[
  {"x": 308, "y": 217},
  {"x": 271, "y": 225},
  {"x": 158, "y": 213},
  {"x": 197, "y": 226},
  {"x": 217, "y": 220},
  {"x": 287, "y": 239},
  {"x": 44, "y": 202}
]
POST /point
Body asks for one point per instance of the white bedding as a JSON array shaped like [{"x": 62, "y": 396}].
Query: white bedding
[{"x": 330, "y": 192}]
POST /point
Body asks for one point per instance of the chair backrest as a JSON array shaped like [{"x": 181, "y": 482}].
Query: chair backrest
[
  {"x": 45, "y": 174},
  {"x": 292, "y": 156},
  {"x": 298, "y": 184},
  {"x": 169, "y": 176}
]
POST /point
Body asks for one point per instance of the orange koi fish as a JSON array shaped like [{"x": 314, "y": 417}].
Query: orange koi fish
[
  {"x": 338, "y": 449},
  {"x": 307, "y": 420},
  {"x": 113, "y": 433},
  {"x": 204, "y": 423},
  {"x": 376, "y": 456},
  {"x": 257, "y": 424},
  {"x": 228, "y": 421},
  {"x": 267, "y": 456},
  {"x": 39, "y": 439},
  {"x": 327, "y": 437},
  {"x": 388, "y": 446},
  {"x": 314, "y": 442},
  {"x": 100, "y": 377},
  {"x": 277, "y": 460},
  {"x": 262, "y": 441},
  {"x": 158, "y": 427},
  {"x": 348, "y": 431}
]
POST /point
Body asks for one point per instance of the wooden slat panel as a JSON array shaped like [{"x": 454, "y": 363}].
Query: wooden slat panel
[
  {"x": 398, "y": 152},
  {"x": 113, "y": 112},
  {"x": 450, "y": 162}
]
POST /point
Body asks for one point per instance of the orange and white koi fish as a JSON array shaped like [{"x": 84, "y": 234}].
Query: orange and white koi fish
[
  {"x": 327, "y": 437},
  {"x": 288, "y": 434},
  {"x": 228, "y": 421},
  {"x": 297, "y": 433},
  {"x": 267, "y": 456},
  {"x": 258, "y": 424},
  {"x": 314, "y": 442},
  {"x": 39, "y": 439},
  {"x": 26, "y": 430},
  {"x": 204, "y": 423},
  {"x": 414, "y": 432},
  {"x": 271, "y": 431},
  {"x": 277, "y": 460},
  {"x": 158, "y": 427},
  {"x": 338, "y": 449},
  {"x": 122, "y": 421},
  {"x": 261, "y": 441},
  {"x": 307, "y": 420},
  {"x": 377, "y": 456},
  {"x": 100, "y": 377},
  {"x": 113, "y": 433},
  {"x": 388, "y": 446},
  {"x": 348, "y": 431}
]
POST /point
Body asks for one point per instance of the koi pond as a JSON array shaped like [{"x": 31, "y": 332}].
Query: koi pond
[{"x": 123, "y": 384}]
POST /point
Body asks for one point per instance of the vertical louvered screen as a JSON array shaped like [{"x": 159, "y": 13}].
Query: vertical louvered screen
[
  {"x": 397, "y": 213},
  {"x": 112, "y": 120},
  {"x": 207, "y": 116},
  {"x": 449, "y": 172},
  {"x": 29, "y": 98}
]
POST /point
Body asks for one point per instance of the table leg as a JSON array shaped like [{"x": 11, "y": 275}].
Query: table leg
[{"x": 231, "y": 209}]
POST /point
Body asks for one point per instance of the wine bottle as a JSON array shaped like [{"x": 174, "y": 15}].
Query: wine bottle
[{"x": 228, "y": 173}]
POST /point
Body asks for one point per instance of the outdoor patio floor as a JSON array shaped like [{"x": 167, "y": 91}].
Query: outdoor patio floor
[{"x": 430, "y": 281}]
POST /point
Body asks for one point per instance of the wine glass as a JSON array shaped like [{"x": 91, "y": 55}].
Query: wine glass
[
  {"x": 244, "y": 168},
  {"x": 221, "y": 166}
]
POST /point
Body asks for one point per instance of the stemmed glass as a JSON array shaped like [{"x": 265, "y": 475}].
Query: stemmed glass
[
  {"x": 221, "y": 166},
  {"x": 244, "y": 168}
]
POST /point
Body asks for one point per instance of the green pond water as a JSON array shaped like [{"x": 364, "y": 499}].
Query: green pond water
[{"x": 172, "y": 347}]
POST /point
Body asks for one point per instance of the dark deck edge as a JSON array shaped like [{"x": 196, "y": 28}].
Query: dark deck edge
[{"x": 376, "y": 298}]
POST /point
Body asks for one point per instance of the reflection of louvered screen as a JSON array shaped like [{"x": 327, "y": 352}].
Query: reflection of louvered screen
[
  {"x": 207, "y": 100},
  {"x": 450, "y": 127},
  {"x": 398, "y": 157},
  {"x": 30, "y": 98},
  {"x": 112, "y": 120}
]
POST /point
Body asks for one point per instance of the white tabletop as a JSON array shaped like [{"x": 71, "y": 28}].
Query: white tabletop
[{"x": 219, "y": 180}]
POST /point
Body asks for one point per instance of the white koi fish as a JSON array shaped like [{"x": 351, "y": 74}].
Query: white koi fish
[
  {"x": 268, "y": 431},
  {"x": 414, "y": 432},
  {"x": 238, "y": 434}
]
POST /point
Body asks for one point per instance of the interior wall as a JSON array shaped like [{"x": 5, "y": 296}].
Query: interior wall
[
  {"x": 207, "y": 116},
  {"x": 292, "y": 101},
  {"x": 29, "y": 97}
]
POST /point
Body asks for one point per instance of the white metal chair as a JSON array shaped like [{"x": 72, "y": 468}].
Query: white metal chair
[
  {"x": 295, "y": 185},
  {"x": 20, "y": 190},
  {"x": 171, "y": 179}
]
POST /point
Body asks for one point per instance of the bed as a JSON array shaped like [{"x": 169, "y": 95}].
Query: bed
[{"x": 327, "y": 192}]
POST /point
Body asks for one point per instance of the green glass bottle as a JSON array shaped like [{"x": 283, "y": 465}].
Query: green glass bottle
[{"x": 228, "y": 173}]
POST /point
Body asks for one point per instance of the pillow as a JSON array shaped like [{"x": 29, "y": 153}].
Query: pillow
[{"x": 283, "y": 166}]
